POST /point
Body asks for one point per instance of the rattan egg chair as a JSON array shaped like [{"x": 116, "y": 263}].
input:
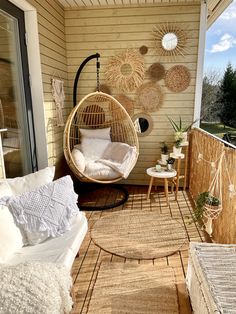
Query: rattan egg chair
[{"x": 98, "y": 110}]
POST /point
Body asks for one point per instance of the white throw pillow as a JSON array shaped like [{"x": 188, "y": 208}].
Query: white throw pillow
[
  {"x": 10, "y": 235},
  {"x": 31, "y": 181},
  {"x": 96, "y": 133},
  {"x": 78, "y": 158},
  {"x": 45, "y": 211},
  {"x": 93, "y": 148}
]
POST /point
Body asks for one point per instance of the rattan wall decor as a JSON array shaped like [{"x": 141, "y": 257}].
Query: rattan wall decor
[
  {"x": 177, "y": 78},
  {"x": 143, "y": 50},
  {"x": 127, "y": 103},
  {"x": 104, "y": 88},
  {"x": 125, "y": 71},
  {"x": 170, "y": 40},
  {"x": 156, "y": 72},
  {"x": 149, "y": 97}
]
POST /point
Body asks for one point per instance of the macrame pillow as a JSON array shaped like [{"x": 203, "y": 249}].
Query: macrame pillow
[{"x": 46, "y": 210}]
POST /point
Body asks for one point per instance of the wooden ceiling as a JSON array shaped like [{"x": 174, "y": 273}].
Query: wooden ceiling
[{"x": 215, "y": 7}]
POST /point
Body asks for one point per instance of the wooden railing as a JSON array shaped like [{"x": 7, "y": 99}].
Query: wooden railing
[{"x": 201, "y": 174}]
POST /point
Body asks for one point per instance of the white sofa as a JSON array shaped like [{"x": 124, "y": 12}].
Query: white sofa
[
  {"x": 41, "y": 231},
  {"x": 57, "y": 250}
]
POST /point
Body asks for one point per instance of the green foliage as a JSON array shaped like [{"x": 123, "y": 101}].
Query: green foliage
[
  {"x": 227, "y": 97},
  {"x": 178, "y": 127},
  {"x": 178, "y": 143},
  {"x": 164, "y": 148},
  {"x": 203, "y": 199}
]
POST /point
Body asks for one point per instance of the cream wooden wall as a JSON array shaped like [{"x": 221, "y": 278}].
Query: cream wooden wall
[
  {"x": 54, "y": 64},
  {"x": 110, "y": 31}
]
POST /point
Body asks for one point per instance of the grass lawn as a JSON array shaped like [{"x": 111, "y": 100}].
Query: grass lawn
[{"x": 217, "y": 129}]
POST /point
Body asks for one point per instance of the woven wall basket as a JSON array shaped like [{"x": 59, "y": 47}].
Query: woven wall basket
[
  {"x": 127, "y": 103},
  {"x": 125, "y": 71},
  {"x": 177, "y": 78},
  {"x": 149, "y": 97},
  {"x": 143, "y": 50},
  {"x": 156, "y": 72}
]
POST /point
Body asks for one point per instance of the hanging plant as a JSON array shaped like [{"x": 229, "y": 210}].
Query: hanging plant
[{"x": 207, "y": 205}]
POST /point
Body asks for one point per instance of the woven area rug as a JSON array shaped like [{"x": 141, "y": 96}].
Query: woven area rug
[
  {"x": 138, "y": 234},
  {"x": 134, "y": 289}
]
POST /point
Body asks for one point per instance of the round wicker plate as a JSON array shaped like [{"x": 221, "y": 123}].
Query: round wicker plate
[
  {"x": 177, "y": 78},
  {"x": 156, "y": 71},
  {"x": 149, "y": 97},
  {"x": 138, "y": 235}
]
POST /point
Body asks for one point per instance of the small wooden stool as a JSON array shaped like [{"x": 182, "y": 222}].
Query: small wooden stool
[{"x": 165, "y": 175}]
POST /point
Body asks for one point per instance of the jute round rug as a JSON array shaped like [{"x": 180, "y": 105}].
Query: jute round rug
[{"x": 138, "y": 234}]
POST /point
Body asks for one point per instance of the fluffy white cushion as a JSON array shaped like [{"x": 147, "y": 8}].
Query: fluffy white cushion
[
  {"x": 10, "y": 235},
  {"x": 31, "y": 181},
  {"x": 99, "y": 171},
  {"x": 93, "y": 148},
  {"x": 96, "y": 133},
  {"x": 78, "y": 158},
  {"x": 47, "y": 209}
]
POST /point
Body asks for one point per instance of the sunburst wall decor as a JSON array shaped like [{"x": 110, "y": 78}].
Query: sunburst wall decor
[
  {"x": 170, "y": 40},
  {"x": 125, "y": 71}
]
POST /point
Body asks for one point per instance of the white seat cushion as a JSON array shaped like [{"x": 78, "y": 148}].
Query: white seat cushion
[{"x": 57, "y": 250}]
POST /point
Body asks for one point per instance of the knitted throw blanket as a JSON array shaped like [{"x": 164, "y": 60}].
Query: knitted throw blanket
[{"x": 35, "y": 287}]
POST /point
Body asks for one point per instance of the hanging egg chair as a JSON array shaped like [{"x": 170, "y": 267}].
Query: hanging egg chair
[{"x": 98, "y": 134}]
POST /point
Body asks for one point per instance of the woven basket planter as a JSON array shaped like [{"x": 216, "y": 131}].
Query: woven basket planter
[{"x": 212, "y": 211}]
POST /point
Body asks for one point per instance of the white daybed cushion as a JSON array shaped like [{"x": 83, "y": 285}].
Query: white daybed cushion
[
  {"x": 10, "y": 235},
  {"x": 100, "y": 171},
  {"x": 96, "y": 133},
  {"x": 56, "y": 250},
  {"x": 92, "y": 148},
  {"x": 31, "y": 181}
]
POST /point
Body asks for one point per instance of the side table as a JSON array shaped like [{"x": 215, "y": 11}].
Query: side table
[{"x": 165, "y": 175}]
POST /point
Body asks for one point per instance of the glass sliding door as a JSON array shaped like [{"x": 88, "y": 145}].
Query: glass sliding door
[{"x": 15, "y": 100}]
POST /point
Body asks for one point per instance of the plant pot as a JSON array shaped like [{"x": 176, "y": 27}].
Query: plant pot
[
  {"x": 164, "y": 158},
  {"x": 185, "y": 137},
  {"x": 212, "y": 211},
  {"x": 177, "y": 151}
]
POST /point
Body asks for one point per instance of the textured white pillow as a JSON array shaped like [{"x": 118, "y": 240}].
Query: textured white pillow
[
  {"x": 31, "y": 181},
  {"x": 78, "y": 158},
  {"x": 10, "y": 235},
  {"x": 46, "y": 210},
  {"x": 93, "y": 148},
  {"x": 96, "y": 133}
]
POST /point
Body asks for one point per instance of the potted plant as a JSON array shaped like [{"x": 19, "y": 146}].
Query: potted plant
[
  {"x": 164, "y": 152},
  {"x": 207, "y": 205},
  {"x": 177, "y": 148},
  {"x": 180, "y": 129},
  {"x": 170, "y": 161}
]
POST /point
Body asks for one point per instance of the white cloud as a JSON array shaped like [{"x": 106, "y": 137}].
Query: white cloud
[
  {"x": 229, "y": 13},
  {"x": 226, "y": 42}
]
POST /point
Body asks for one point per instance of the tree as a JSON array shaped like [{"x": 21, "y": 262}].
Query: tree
[
  {"x": 227, "y": 97},
  {"x": 210, "y": 88}
]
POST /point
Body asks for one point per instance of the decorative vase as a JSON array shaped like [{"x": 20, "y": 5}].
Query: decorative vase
[
  {"x": 169, "y": 167},
  {"x": 177, "y": 151},
  {"x": 185, "y": 137},
  {"x": 164, "y": 158}
]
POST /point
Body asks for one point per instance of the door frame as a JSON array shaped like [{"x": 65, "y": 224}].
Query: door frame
[{"x": 36, "y": 82}]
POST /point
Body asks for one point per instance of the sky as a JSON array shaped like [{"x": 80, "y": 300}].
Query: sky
[{"x": 221, "y": 42}]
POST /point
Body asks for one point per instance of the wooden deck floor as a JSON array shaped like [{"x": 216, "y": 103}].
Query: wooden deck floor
[{"x": 86, "y": 266}]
